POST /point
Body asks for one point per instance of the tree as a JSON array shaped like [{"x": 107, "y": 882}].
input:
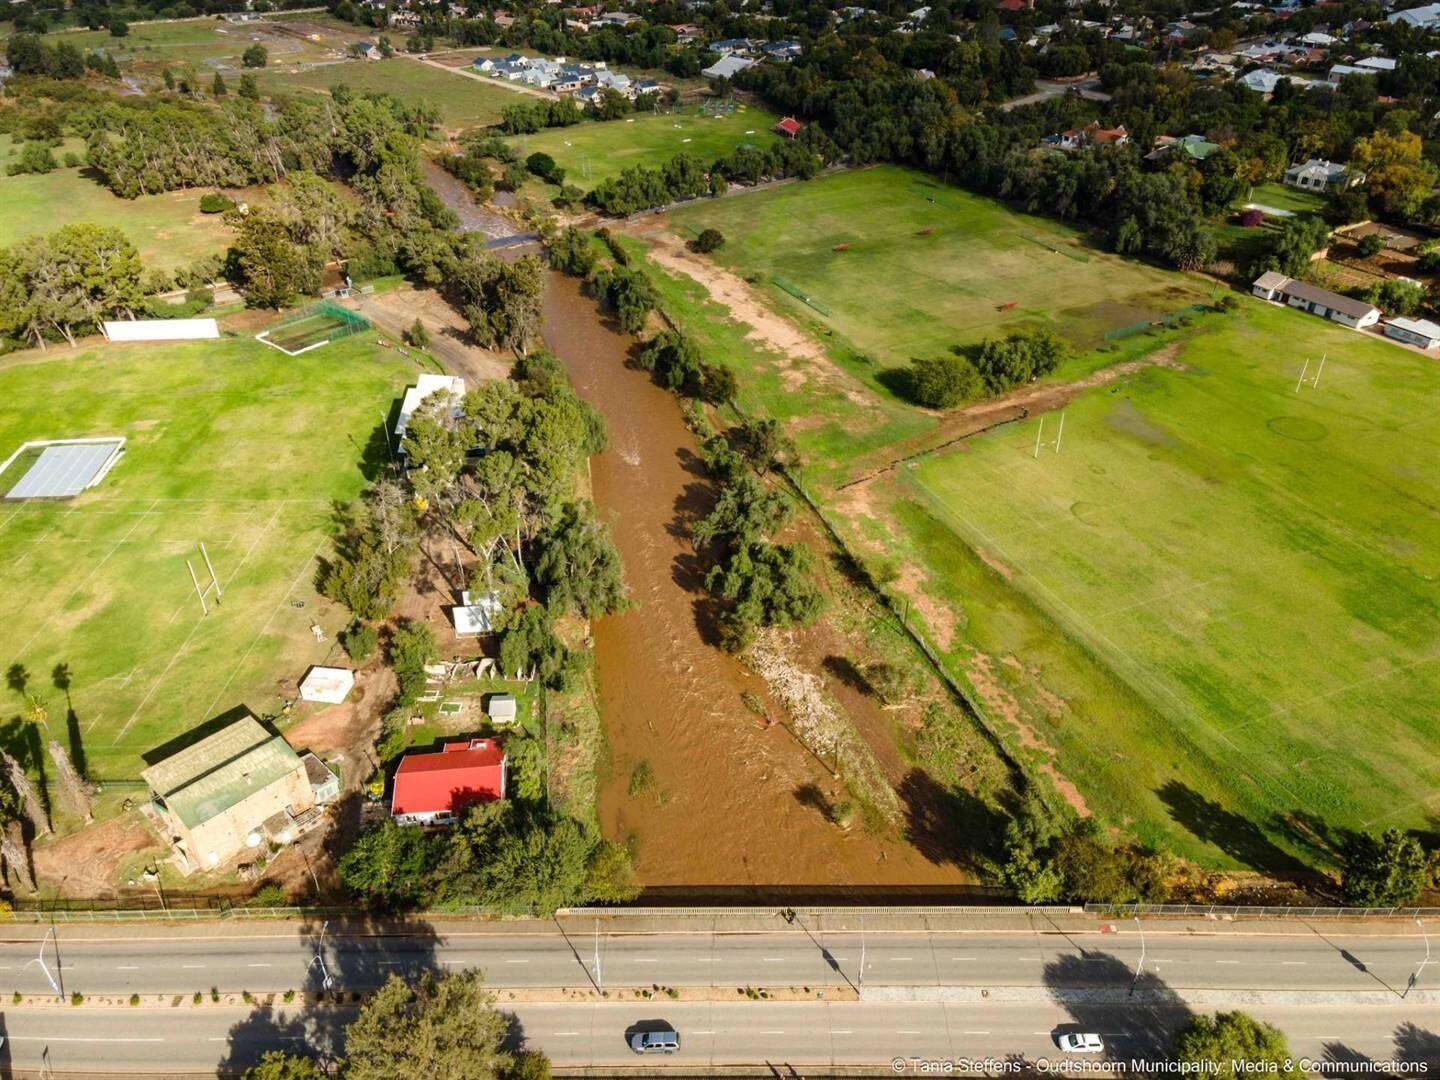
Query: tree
[
  {"x": 31, "y": 803},
  {"x": 218, "y": 87},
  {"x": 390, "y": 865},
  {"x": 572, "y": 253},
  {"x": 279, "y": 1065},
  {"x": 272, "y": 268},
  {"x": 1397, "y": 176},
  {"x": 412, "y": 646},
  {"x": 249, "y": 87},
  {"x": 1370, "y": 245},
  {"x": 418, "y": 335},
  {"x": 629, "y": 293},
  {"x": 119, "y": 28},
  {"x": 942, "y": 382},
  {"x": 256, "y": 56},
  {"x": 576, "y": 566},
  {"x": 78, "y": 791},
  {"x": 1230, "y": 1045},
  {"x": 543, "y": 166},
  {"x": 15, "y": 854},
  {"x": 169, "y": 77},
  {"x": 445, "y": 1028},
  {"x": 1388, "y": 870}
]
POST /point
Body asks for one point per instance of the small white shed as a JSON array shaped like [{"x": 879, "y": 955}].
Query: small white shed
[{"x": 330, "y": 685}]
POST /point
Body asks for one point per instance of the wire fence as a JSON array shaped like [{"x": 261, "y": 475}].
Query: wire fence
[
  {"x": 795, "y": 291},
  {"x": 1286, "y": 911}
]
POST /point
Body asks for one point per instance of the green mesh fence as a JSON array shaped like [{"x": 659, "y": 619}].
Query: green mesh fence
[{"x": 795, "y": 291}]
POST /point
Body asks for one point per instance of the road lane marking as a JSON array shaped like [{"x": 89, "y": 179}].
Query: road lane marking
[
  {"x": 702, "y": 1033},
  {"x": 841, "y": 1031},
  {"x": 517, "y": 961},
  {"x": 646, "y": 960},
  {"x": 772, "y": 1033},
  {"x": 85, "y": 1039},
  {"x": 192, "y": 965},
  {"x": 257, "y": 965},
  {"x": 962, "y": 958},
  {"x": 975, "y": 1033},
  {"x": 773, "y": 959},
  {"x": 1227, "y": 961},
  {"x": 904, "y": 1032},
  {"x": 901, "y": 959},
  {"x": 565, "y": 1033},
  {"x": 127, "y": 967}
]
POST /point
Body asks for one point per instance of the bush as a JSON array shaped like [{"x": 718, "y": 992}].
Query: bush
[
  {"x": 1251, "y": 218},
  {"x": 941, "y": 382},
  {"x": 709, "y": 240},
  {"x": 268, "y": 895},
  {"x": 134, "y": 999},
  {"x": 418, "y": 335},
  {"x": 212, "y": 202},
  {"x": 256, "y": 56},
  {"x": 1370, "y": 245},
  {"x": 359, "y": 641},
  {"x": 77, "y": 998},
  {"x": 199, "y": 997}
]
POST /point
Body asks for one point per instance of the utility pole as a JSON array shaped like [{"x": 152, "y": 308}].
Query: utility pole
[
  {"x": 862, "y": 952},
  {"x": 1141, "y": 962},
  {"x": 599, "y": 980},
  {"x": 1415, "y": 979}
]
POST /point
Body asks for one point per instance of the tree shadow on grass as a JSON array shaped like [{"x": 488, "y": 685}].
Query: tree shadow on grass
[
  {"x": 1235, "y": 835},
  {"x": 950, "y": 826}
]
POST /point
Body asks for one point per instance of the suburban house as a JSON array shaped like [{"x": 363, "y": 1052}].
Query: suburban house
[
  {"x": 1419, "y": 332},
  {"x": 1420, "y": 18},
  {"x": 1261, "y": 80},
  {"x": 1278, "y": 288},
  {"x": 229, "y": 792},
  {"x": 783, "y": 51},
  {"x": 435, "y": 788},
  {"x": 1196, "y": 147},
  {"x": 1093, "y": 135},
  {"x": 426, "y": 384},
  {"x": 367, "y": 50},
  {"x": 727, "y": 67},
  {"x": 1318, "y": 175},
  {"x": 1340, "y": 71}
]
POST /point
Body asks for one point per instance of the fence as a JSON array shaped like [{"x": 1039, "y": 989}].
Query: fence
[
  {"x": 1130, "y": 911},
  {"x": 804, "y": 298},
  {"x": 1048, "y": 246}
]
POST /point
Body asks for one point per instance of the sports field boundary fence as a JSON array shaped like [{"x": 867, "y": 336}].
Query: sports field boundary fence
[
  {"x": 804, "y": 297},
  {"x": 332, "y": 323}
]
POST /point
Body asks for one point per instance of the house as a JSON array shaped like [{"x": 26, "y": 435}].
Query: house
[
  {"x": 1261, "y": 80},
  {"x": 1356, "y": 314},
  {"x": 1339, "y": 71},
  {"x": 366, "y": 50},
  {"x": 1419, "y": 332},
  {"x": 1099, "y": 136},
  {"x": 502, "y": 709},
  {"x": 686, "y": 33},
  {"x": 1069, "y": 141},
  {"x": 789, "y": 127},
  {"x": 426, "y": 385},
  {"x": 1316, "y": 37},
  {"x": 727, "y": 67},
  {"x": 1317, "y": 175},
  {"x": 782, "y": 51},
  {"x": 330, "y": 685},
  {"x": 743, "y": 46},
  {"x": 616, "y": 18},
  {"x": 1421, "y": 18},
  {"x": 1376, "y": 63},
  {"x": 1196, "y": 147},
  {"x": 435, "y": 788},
  {"x": 218, "y": 796},
  {"x": 476, "y": 613},
  {"x": 1016, "y": 5},
  {"x": 402, "y": 19}
]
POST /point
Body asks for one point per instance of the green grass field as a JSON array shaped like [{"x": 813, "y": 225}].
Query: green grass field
[
  {"x": 169, "y": 230},
  {"x": 204, "y": 43},
  {"x": 231, "y": 444},
  {"x": 595, "y": 152},
  {"x": 1228, "y": 589},
  {"x": 1282, "y": 197},
  {"x": 896, "y": 294},
  {"x": 463, "y": 102}
]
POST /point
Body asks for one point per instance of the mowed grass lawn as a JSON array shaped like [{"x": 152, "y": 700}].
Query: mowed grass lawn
[
  {"x": 463, "y": 102},
  {"x": 1245, "y": 581},
  {"x": 895, "y": 294},
  {"x": 169, "y": 230},
  {"x": 593, "y": 152},
  {"x": 230, "y": 443}
]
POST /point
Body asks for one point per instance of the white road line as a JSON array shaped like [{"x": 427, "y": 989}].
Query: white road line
[
  {"x": 1227, "y": 961},
  {"x": 772, "y": 1033},
  {"x": 902, "y": 959},
  {"x": 702, "y": 1033},
  {"x": 517, "y": 961},
  {"x": 975, "y": 1033},
  {"x": 704, "y": 959},
  {"x": 192, "y": 965},
  {"x": 83, "y": 1039},
  {"x": 565, "y": 1033},
  {"x": 127, "y": 967},
  {"x": 962, "y": 958},
  {"x": 840, "y": 1031},
  {"x": 773, "y": 959},
  {"x": 257, "y": 965},
  {"x": 904, "y": 1032},
  {"x": 646, "y": 960}
]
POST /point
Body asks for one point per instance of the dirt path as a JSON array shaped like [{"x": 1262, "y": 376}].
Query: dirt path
[
  {"x": 962, "y": 424},
  {"x": 397, "y": 309},
  {"x": 804, "y": 360}
]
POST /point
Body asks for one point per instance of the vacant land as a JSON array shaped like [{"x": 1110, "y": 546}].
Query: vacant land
[
  {"x": 1243, "y": 579},
  {"x": 169, "y": 230},
  {"x": 594, "y": 152},
  {"x": 928, "y": 266},
  {"x": 230, "y": 444},
  {"x": 202, "y": 43},
  {"x": 463, "y": 102}
]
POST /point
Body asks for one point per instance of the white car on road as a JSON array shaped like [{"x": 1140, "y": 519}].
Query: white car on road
[{"x": 1082, "y": 1042}]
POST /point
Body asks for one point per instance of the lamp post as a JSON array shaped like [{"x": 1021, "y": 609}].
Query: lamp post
[
  {"x": 862, "y": 952},
  {"x": 1139, "y": 964},
  {"x": 599, "y": 979},
  {"x": 40, "y": 959},
  {"x": 326, "y": 982}
]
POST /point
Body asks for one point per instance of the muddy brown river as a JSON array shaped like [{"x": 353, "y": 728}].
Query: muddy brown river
[{"x": 725, "y": 806}]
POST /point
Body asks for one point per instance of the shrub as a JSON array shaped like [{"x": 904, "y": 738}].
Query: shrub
[
  {"x": 360, "y": 641},
  {"x": 418, "y": 335},
  {"x": 77, "y": 998},
  {"x": 212, "y": 202},
  {"x": 256, "y": 56},
  {"x": 197, "y": 998},
  {"x": 1251, "y": 218},
  {"x": 268, "y": 895},
  {"x": 709, "y": 240},
  {"x": 134, "y": 999},
  {"x": 1370, "y": 245},
  {"x": 941, "y": 382},
  {"x": 16, "y": 998}
]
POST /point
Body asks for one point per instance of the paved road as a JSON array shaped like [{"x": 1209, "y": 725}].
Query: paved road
[
  {"x": 1046, "y": 89},
  {"x": 275, "y": 957},
  {"x": 812, "y": 1035}
]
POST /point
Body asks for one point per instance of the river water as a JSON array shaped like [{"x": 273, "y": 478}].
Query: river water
[{"x": 733, "y": 799}]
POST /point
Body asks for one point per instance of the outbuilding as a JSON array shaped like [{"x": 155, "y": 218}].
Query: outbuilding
[
  {"x": 1421, "y": 333},
  {"x": 330, "y": 685}
]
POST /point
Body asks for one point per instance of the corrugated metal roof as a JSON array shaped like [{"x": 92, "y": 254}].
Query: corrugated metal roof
[
  {"x": 460, "y": 775},
  {"x": 1356, "y": 309},
  {"x": 207, "y": 778}
]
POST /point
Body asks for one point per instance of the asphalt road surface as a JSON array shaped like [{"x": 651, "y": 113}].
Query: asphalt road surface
[
  {"x": 261, "y": 957},
  {"x": 803, "y": 1035}
]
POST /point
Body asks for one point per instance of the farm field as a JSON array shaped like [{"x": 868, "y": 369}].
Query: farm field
[
  {"x": 169, "y": 230},
  {"x": 593, "y": 152},
  {"x": 204, "y": 43},
  {"x": 463, "y": 102},
  {"x": 229, "y": 443},
  {"x": 895, "y": 294},
  {"x": 1243, "y": 579}
]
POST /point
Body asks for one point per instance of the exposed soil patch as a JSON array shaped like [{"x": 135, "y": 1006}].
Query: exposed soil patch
[
  {"x": 87, "y": 863},
  {"x": 395, "y": 310}
]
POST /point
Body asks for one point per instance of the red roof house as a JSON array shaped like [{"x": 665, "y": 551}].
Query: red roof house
[
  {"x": 433, "y": 789},
  {"x": 789, "y": 127}
]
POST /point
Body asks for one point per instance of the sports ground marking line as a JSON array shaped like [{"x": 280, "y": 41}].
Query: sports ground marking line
[
  {"x": 193, "y": 631},
  {"x": 262, "y": 631},
  {"x": 76, "y": 591},
  {"x": 1285, "y": 707}
]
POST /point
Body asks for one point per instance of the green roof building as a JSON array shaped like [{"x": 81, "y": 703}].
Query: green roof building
[{"x": 216, "y": 794}]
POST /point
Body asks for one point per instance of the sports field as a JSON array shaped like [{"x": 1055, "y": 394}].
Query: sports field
[
  {"x": 594, "y": 152},
  {"x": 463, "y": 102},
  {"x": 895, "y": 294},
  {"x": 169, "y": 230},
  {"x": 229, "y": 443},
  {"x": 1220, "y": 603}
]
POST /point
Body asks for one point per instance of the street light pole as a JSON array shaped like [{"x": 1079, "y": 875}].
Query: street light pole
[
  {"x": 862, "y": 952},
  {"x": 326, "y": 982},
  {"x": 599, "y": 979},
  {"x": 1140, "y": 964},
  {"x": 1414, "y": 979},
  {"x": 40, "y": 959}
]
